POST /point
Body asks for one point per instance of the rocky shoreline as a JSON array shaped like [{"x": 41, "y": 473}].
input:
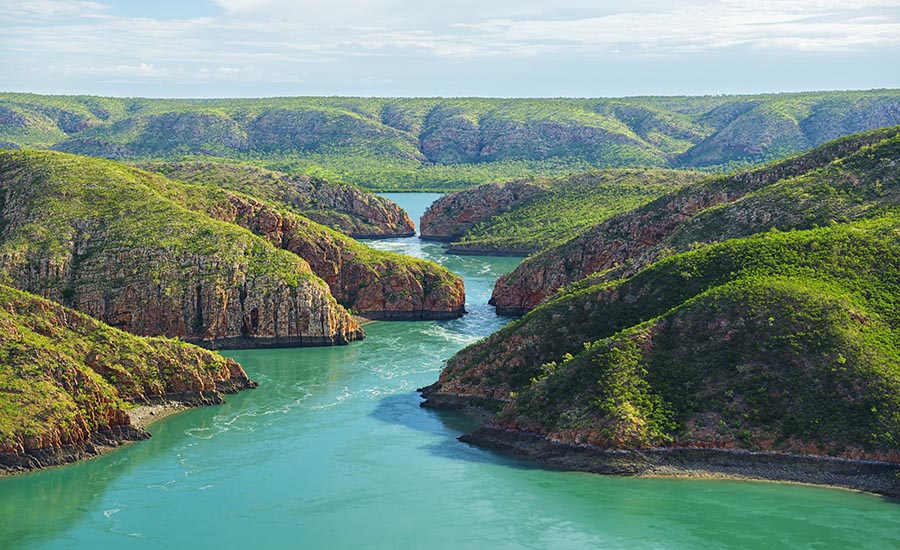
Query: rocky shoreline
[
  {"x": 110, "y": 438},
  {"x": 415, "y": 315},
  {"x": 298, "y": 341},
  {"x": 463, "y": 250},
  {"x": 871, "y": 476}
]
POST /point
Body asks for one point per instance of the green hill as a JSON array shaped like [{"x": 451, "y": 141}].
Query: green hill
[
  {"x": 440, "y": 144},
  {"x": 850, "y": 178},
  {"x": 784, "y": 342},
  {"x": 541, "y": 213},
  {"x": 67, "y": 381}
]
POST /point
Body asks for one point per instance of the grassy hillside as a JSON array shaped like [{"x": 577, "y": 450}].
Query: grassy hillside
[
  {"x": 100, "y": 237},
  {"x": 781, "y": 341},
  {"x": 441, "y": 144},
  {"x": 68, "y": 381},
  {"x": 343, "y": 207},
  {"x": 850, "y": 178},
  {"x": 570, "y": 206}
]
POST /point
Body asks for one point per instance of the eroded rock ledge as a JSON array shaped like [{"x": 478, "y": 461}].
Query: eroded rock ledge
[
  {"x": 873, "y": 476},
  {"x": 864, "y": 475}
]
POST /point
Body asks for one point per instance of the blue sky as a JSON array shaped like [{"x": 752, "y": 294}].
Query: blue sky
[{"x": 514, "y": 48}]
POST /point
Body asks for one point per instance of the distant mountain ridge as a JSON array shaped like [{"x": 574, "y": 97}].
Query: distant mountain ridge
[{"x": 410, "y": 143}]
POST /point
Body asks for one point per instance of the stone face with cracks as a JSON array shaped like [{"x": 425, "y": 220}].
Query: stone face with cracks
[{"x": 97, "y": 236}]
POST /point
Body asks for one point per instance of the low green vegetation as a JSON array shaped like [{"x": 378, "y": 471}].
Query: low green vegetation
[
  {"x": 64, "y": 375},
  {"x": 447, "y": 143},
  {"x": 783, "y": 341},
  {"x": 571, "y": 206},
  {"x": 344, "y": 207},
  {"x": 63, "y": 208}
]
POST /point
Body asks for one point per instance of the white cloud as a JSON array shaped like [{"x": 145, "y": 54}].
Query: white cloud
[
  {"x": 287, "y": 39},
  {"x": 151, "y": 71},
  {"x": 697, "y": 28},
  {"x": 18, "y": 10}
]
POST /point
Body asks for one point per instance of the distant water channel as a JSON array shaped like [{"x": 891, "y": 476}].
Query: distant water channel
[{"x": 333, "y": 451}]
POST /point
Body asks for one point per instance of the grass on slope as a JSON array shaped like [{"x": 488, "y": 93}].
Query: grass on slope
[
  {"x": 769, "y": 363},
  {"x": 572, "y": 206},
  {"x": 64, "y": 372},
  {"x": 863, "y": 258},
  {"x": 71, "y": 201}
]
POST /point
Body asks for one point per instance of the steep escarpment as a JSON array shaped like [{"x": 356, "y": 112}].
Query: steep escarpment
[
  {"x": 99, "y": 237},
  {"x": 343, "y": 207},
  {"x": 448, "y": 143},
  {"x": 449, "y": 217},
  {"x": 376, "y": 284},
  {"x": 558, "y": 209},
  {"x": 67, "y": 381},
  {"x": 781, "y": 342},
  {"x": 761, "y": 198}
]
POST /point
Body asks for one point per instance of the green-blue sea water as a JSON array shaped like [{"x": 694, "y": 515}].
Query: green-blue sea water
[{"x": 333, "y": 451}]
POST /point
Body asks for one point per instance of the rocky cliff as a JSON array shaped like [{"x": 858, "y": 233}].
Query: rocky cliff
[
  {"x": 378, "y": 285},
  {"x": 67, "y": 381},
  {"x": 632, "y": 240},
  {"x": 523, "y": 217},
  {"x": 449, "y": 217},
  {"x": 345, "y": 208},
  {"x": 100, "y": 237}
]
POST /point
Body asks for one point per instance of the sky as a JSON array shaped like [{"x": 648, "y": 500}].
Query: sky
[{"x": 498, "y": 48}]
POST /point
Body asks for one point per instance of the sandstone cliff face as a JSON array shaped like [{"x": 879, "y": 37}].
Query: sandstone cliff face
[
  {"x": 68, "y": 381},
  {"x": 345, "y": 208},
  {"x": 449, "y": 217},
  {"x": 377, "y": 285},
  {"x": 631, "y": 241},
  {"x": 93, "y": 235}
]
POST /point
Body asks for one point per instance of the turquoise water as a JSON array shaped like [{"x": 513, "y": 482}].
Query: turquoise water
[{"x": 333, "y": 451}]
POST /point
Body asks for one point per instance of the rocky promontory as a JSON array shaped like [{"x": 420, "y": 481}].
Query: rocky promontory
[
  {"x": 776, "y": 349},
  {"x": 68, "y": 382},
  {"x": 345, "y": 208},
  {"x": 101, "y": 237},
  {"x": 378, "y": 285},
  {"x": 519, "y": 218},
  {"x": 449, "y": 217}
]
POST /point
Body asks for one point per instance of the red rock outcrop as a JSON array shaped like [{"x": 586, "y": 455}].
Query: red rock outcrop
[
  {"x": 377, "y": 285},
  {"x": 449, "y": 217}
]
